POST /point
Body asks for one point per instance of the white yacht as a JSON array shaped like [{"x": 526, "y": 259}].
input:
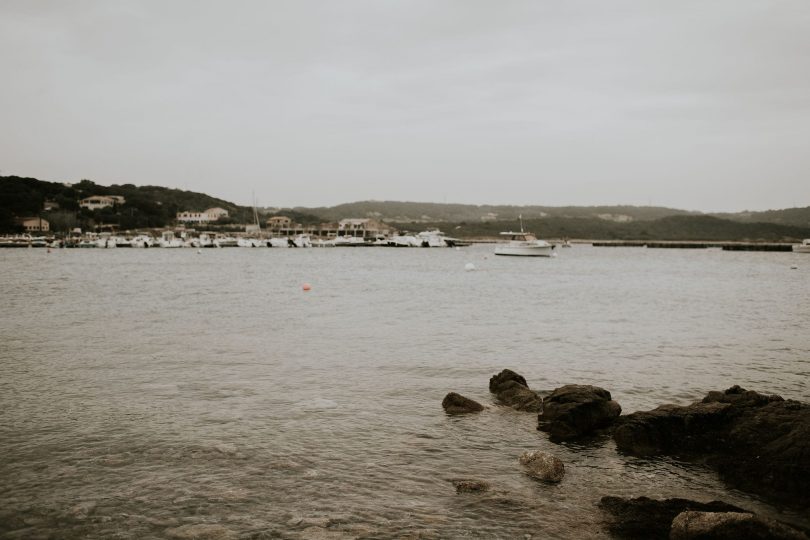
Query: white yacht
[
  {"x": 169, "y": 240},
  {"x": 523, "y": 244},
  {"x": 804, "y": 247},
  {"x": 404, "y": 240},
  {"x": 349, "y": 241},
  {"x": 302, "y": 241},
  {"x": 436, "y": 238},
  {"x": 142, "y": 241},
  {"x": 278, "y": 242}
]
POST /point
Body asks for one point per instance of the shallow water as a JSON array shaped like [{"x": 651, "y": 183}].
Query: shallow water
[{"x": 146, "y": 392}]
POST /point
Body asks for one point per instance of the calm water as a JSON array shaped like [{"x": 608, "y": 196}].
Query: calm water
[{"x": 145, "y": 392}]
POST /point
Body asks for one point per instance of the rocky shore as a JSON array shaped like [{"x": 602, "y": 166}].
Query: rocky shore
[{"x": 759, "y": 443}]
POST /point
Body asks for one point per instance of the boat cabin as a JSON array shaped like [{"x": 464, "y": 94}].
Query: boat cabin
[{"x": 519, "y": 236}]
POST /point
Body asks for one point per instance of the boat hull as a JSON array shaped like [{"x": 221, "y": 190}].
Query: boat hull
[{"x": 524, "y": 251}]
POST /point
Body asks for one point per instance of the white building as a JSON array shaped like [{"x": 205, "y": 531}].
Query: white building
[
  {"x": 216, "y": 213},
  {"x": 207, "y": 216},
  {"x": 97, "y": 202}
]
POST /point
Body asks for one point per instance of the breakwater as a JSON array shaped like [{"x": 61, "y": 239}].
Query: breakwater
[{"x": 726, "y": 246}]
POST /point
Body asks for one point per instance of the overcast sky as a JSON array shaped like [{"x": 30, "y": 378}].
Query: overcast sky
[{"x": 698, "y": 104}]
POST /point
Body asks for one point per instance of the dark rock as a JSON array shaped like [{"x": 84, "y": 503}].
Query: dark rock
[
  {"x": 577, "y": 409},
  {"x": 505, "y": 376},
  {"x": 543, "y": 466},
  {"x": 693, "y": 525},
  {"x": 646, "y": 518},
  {"x": 512, "y": 390},
  {"x": 470, "y": 486},
  {"x": 457, "y": 404},
  {"x": 757, "y": 442}
]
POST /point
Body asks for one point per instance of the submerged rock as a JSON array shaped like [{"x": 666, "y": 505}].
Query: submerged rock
[
  {"x": 470, "y": 486},
  {"x": 577, "y": 409},
  {"x": 457, "y": 404},
  {"x": 693, "y": 525},
  {"x": 512, "y": 390},
  {"x": 757, "y": 442},
  {"x": 645, "y": 518},
  {"x": 543, "y": 466}
]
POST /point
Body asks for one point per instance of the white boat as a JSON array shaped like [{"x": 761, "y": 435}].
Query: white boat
[
  {"x": 278, "y": 242},
  {"x": 404, "y": 240},
  {"x": 804, "y": 247},
  {"x": 436, "y": 238},
  {"x": 302, "y": 241},
  {"x": 168, "y": 240},
  {"x": 523, "y": 244},
  {"x": 348, "y": 241},
  {"x": 250, "y": 242},
  {"x": 142, "y": 241}
]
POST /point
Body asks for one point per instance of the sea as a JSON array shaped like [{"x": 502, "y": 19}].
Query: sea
[{"x": 163, "y": 393}]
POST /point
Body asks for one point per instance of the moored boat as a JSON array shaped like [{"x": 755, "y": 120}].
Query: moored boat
[
  {"x": 524, "y": 244},
  {"x": 804, "y": 247}
]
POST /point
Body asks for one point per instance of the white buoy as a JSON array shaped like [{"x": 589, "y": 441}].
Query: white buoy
[
  {"x": 469, "y": 267},
  {"x": 553, "y": 254},
  {"x": 199, "y": 251},
  {"x": 458, "y": 248}
]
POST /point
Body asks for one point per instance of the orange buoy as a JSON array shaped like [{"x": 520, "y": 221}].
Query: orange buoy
[{"x": 306, "y": 286}]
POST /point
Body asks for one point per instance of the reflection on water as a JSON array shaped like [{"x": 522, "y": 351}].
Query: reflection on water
[{"x": 175, "y": 394}]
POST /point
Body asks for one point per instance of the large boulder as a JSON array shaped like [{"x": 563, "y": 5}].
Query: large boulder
[
  {"x": 692, "y": 525},
  {"x": 457, "y": 404},
  {"x": 543, "y": 466},
  {"x": 645, "y": 518},
  {"x": 512, "y": 390},
  {"x": 757, "y": 442},
  {"x": 577, "y": 409}
]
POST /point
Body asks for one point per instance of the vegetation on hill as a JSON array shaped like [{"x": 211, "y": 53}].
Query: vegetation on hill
[
  {"x": 701, "y": 227},
  {"x": 144, "y": 206},
  {"x": 409, "y": 212}
]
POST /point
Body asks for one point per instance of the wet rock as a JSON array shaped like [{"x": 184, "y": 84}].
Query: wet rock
[
  {"x": 574, "y": 410},
  {"x": 82, "y": 510},
  {"x": 470, "y": 486},
  {"x": 757, "y": 442},
  {"x": 457, "y": 404},
  {"x": 645, "y": 518},
  {"x": 200, "y": 531},
  {"x": 543, "y": 466},
  {"x": 692, "y": 525},
  {"x": 512, "y": 390}
]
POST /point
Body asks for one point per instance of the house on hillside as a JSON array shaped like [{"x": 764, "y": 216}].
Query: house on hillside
[
  {"x": 216, "y": 213},
  {"x": 96, "y": 202},
  {"x": 34, "y": 224},
  {"x": 276, "y": 223}
]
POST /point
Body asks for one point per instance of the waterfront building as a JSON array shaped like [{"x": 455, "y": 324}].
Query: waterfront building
[
  {"x": 34, "y": 224},
  {"x": 206, "y": 216},
  {"x": 363, "y": 227}
]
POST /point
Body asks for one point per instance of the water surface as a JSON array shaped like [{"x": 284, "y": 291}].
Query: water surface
[{"x": 146, "y": 391}]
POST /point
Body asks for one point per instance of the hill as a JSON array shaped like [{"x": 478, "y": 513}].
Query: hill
[
  {"x": 144, "y": 206},
  {"x": 706, "y": 228},
  {"x": 414, "y": 212}
]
